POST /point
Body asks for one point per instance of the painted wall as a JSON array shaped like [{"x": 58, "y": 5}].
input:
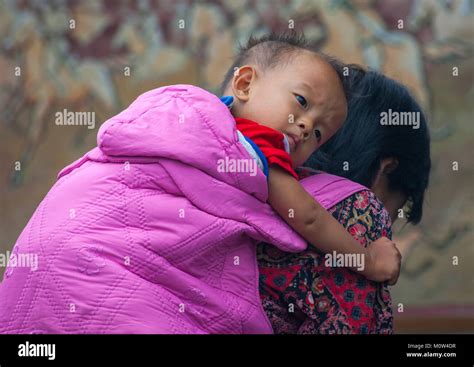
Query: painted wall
[{"x": 97, "y": 56}]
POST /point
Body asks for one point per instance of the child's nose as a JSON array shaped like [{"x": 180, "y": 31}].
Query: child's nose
[{"x": 304, "y": 126}]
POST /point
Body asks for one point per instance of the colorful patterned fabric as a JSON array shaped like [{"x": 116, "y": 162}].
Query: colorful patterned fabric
[{"x": 302, "y": 295}]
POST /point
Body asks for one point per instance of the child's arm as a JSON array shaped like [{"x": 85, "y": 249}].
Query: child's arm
[{"x": 318, "y": 227}]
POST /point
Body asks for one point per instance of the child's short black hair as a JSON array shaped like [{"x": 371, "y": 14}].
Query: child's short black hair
[
  {"x": 274, "y": 49},
  {"x": 363, "y": 141}
]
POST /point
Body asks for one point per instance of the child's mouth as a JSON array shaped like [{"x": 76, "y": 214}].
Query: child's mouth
[{"x": 293, "y": 140}]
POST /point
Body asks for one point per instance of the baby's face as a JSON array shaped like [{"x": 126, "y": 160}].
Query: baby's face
[{"x": 303, "y": 99}]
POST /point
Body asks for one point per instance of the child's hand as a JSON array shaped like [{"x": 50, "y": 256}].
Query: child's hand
[{"x": 384, "y": 261}]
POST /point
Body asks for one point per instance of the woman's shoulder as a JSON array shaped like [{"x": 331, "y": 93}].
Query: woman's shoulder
[
  {"x": 364, "y": 213},
  {"x": 367, "y": 197},
  {"x": 352, "y": 192}
]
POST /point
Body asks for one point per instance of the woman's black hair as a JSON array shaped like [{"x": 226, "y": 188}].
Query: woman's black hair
[{"x": 357, "y": 149}]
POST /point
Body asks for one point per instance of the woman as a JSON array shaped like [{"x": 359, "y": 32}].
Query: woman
[{"x": 389, "y": 167}]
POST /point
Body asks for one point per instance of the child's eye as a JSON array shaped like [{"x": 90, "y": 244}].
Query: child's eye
[
  {"x": 317, "y": 133},
  {"x": 301, "y": 100}
]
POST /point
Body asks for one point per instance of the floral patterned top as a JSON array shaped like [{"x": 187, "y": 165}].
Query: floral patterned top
[{"x": 301, "y": 295}]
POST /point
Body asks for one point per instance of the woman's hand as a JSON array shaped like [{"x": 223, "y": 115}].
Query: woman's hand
[{"x": 383, "y": 261}]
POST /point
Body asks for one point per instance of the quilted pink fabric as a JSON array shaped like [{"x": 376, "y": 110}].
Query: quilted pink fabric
[{"x": 144, "y": 234}]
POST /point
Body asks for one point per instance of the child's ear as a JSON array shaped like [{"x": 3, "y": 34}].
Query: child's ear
[{"x": 241, "y": 82}]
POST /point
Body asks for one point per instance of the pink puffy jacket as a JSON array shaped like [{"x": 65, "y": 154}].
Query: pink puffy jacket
[{"x": 144, "y": 234}]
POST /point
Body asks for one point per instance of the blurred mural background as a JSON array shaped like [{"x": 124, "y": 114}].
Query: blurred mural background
[{"x": 98, "y": 56}]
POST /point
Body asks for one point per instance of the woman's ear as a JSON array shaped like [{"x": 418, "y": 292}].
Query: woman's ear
[
  {"x": 241, "y": 82},
  {"x": 387, "y": 165}
]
